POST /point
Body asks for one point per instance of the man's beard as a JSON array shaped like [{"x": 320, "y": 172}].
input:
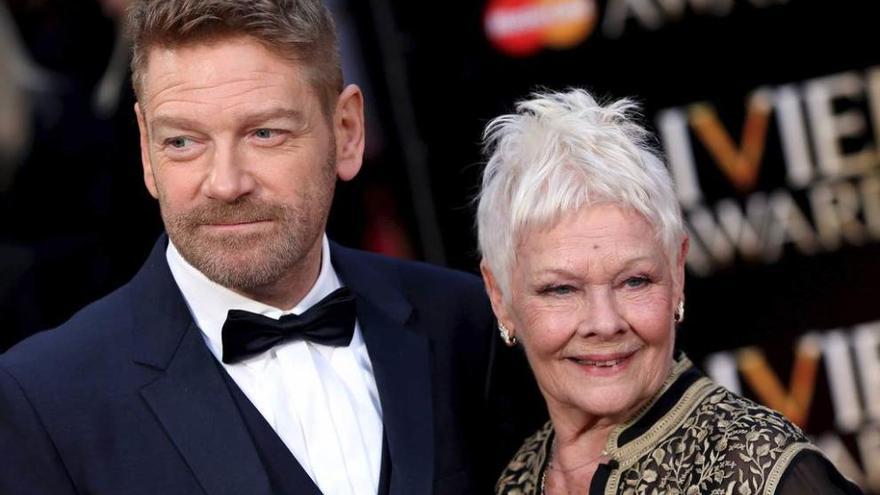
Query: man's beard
[{"x": 255, "y": 259}]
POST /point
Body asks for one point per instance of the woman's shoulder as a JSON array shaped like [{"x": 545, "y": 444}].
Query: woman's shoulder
[
  {"x": 755, "y": 442},
  {"x": 523, "y": 474},
  {"x": 735, "y": 443},
  {"x": 736, "y": 418},
  {"x": 711, "y": 441}
]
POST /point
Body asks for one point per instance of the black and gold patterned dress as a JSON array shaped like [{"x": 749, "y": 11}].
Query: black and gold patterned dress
[{"x": 694, "y": 437}]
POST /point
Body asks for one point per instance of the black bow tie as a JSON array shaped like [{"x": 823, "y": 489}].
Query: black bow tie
[{"x": 329, "y": 322}]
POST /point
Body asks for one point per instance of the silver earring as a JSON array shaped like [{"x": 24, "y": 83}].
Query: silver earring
[
  {"x": 508, "y": 338},
  {"x": 678, "y": 316}
]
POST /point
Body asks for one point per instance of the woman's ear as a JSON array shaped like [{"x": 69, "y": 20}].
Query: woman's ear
[
  {"x": 496, "y": 297},
  {"x": 680, "y": 264}
]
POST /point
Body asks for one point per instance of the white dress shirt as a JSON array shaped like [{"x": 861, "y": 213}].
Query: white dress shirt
[{"x": 322, "y": 401}]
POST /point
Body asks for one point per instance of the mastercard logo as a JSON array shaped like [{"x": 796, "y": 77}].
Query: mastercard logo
[{"x": 524, "y": 27}]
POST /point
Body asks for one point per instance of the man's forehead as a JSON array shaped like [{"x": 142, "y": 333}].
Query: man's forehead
[
  {"x": 215, "y": 60},
  {"x": 234, "y": 69}
]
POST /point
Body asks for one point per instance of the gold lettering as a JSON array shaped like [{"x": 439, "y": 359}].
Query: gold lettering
[
  {"x": 795, "y": 402},
  {"x": 740, "y": 165}
]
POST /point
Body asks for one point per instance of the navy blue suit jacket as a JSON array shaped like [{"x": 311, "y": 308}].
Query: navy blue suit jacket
[{"x": 125, "y": 398}]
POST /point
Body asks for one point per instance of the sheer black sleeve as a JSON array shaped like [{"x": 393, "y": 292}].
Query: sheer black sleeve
[{"x": 810, "y": 473}]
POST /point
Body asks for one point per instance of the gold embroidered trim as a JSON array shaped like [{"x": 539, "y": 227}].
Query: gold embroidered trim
[
  {"x": 523, "y": 474},
  {"x": 678, "y": 368},
  {"x": 665, "y": 426}
]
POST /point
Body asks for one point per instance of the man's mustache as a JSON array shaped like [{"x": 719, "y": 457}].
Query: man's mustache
[{"x": 242, "y": 211}]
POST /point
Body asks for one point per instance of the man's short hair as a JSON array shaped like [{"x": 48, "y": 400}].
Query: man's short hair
[{"x": 299, "y": 30}]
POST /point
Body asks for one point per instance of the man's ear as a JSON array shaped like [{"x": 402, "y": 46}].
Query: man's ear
[
  {"x": 348, "y": 127},
  {"x": 496, "y": 297},
  {"x": 146, "y": 163}
]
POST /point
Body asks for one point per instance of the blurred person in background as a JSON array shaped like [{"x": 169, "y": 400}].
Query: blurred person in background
[
  {"x": 74, "y": 221},
  {"x": 24, "y": 80}
]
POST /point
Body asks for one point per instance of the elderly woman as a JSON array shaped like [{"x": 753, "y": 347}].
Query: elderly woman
[{"x": 583, "y": 258}]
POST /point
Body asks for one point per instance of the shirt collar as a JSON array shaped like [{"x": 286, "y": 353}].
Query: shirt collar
[{"x": 209, "y": 302}]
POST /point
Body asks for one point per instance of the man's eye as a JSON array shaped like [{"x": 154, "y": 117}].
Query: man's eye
[
  {"x": 178, "y": 142},
  {"x": 264, "y": 133}
]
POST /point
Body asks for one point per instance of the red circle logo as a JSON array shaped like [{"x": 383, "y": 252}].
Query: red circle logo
[{"x": 524, "y": 27}]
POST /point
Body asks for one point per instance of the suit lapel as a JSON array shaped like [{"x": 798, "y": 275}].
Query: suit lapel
[
  {"x": 401, "y": 362},
  {"x": 189, "y": 397},
  {"x": 195, "y": 408}
]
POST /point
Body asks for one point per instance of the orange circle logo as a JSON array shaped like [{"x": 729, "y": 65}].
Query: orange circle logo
[{"x": 523, "y": 27}]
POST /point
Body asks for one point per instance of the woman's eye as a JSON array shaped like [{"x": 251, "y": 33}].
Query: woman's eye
[
  {"x": 557, "y": 290},
  {"x": 637, "y": 282}
]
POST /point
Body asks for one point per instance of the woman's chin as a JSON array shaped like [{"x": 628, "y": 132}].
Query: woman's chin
[
  {"x": 616, "y": 402},
  {"x": 613, "y": 406}
]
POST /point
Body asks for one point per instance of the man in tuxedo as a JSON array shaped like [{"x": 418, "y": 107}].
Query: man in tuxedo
[{"x": 250, "y": 355}]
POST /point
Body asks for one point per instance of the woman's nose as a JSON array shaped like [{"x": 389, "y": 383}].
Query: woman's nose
[{"x": 602, "y": 316}]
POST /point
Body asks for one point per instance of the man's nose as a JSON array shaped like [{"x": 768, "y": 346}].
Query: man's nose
[{"x": 229, "y": 177}]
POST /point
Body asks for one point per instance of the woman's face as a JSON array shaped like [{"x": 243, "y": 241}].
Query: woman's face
[{"x": 592, "y": 301}]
